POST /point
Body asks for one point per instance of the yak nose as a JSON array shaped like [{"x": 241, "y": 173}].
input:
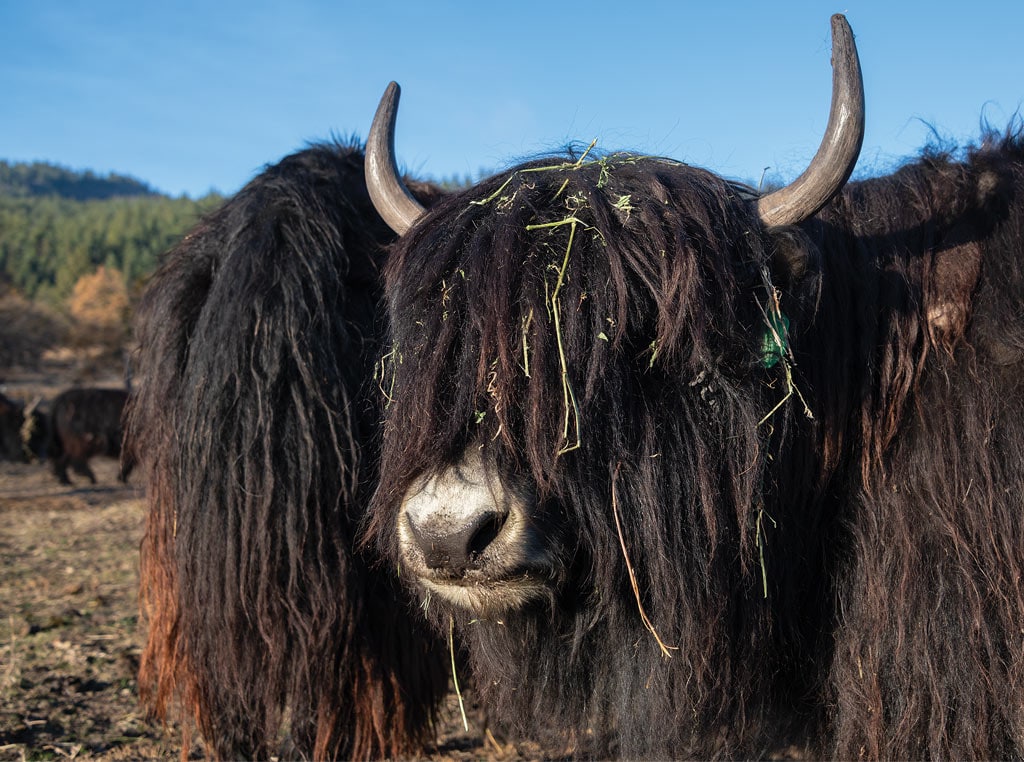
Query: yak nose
[
  {"x": 452, "y": 518},
  {"x": 456, "y": 546}
]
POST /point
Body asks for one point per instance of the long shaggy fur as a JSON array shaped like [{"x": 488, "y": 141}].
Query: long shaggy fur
[
  {"x": 255, "y": 423},
  {"x": 928, "y": 637},
  {"x": 845, "y": 577},
  {"x": 658, "y": 320}
]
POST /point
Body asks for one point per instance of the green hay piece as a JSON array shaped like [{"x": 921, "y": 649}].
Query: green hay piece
[
  {"x": 775, "y": 346},
  {"x": 527, "y": 322},
  {"x": 455, "y": 677},
  {"x": 568, "y": 395},
  {"x": 653, "y": 348}
]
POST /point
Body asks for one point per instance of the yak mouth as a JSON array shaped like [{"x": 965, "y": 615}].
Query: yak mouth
[
  {"x": 486, "y": 597},
  {"x": 467, "y": 536}
]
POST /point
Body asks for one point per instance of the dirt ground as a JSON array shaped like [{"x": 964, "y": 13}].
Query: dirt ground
[
  {"x": 69, "y": 641},
  {"x": 69, "y": 631}
]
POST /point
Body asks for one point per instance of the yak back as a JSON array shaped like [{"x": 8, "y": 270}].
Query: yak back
[{"x": 912, "y": 357}]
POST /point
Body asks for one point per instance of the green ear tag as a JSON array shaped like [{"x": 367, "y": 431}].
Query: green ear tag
[{"x": 775, "y": 340}]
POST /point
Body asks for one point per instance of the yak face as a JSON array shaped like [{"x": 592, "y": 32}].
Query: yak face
[
  {"x": 572, "y": 340},
  {"x": 577, "y": 319},
  {"x": 576, "y": 458},
  {"x": 585, "y": 387},
  {"x": 468, "y": 537}
]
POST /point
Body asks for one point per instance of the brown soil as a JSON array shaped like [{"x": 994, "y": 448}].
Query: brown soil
[
  {"x": 69, "y": 639},
  {"x": 69, "y": 630}
]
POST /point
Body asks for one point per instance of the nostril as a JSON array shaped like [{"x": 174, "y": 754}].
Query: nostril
[
  {"x": 457, "y": 548},
  {"x": 485, "y": 534}
]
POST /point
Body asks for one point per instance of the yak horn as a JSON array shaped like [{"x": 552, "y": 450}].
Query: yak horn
[
  {"x": 832, "y": 164},
  {"x": 390, "y": 197}
]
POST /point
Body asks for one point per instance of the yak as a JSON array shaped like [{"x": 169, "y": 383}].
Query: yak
[
  {"x": 269, "y": 630},
  {"x": 690, "y": 470},
  {"x": 86, "y": 422},
  {"x": 696, "y": 471},
  {"x": 11, "y": 419},
  {"x": 23, "y": 431}
]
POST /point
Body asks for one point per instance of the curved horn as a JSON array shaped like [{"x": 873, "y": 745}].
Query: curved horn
[
  {"x": 832, "y": 164},
  {"x": 390, "y": 197}
]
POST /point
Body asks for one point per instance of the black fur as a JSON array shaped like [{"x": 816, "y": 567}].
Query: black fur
[
  {"x": 23, "y": 432},
  {"x": 255, "y": 421},
  {"x": 85, "y": 423},
  {"x": 841, "y": 571}
]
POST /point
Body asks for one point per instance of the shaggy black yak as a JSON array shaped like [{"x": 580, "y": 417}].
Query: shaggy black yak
[
  {"x": 85, "y": 423},
  {"x": 699, "y": 473},
  {"x": 693, "y": 472},
  {"x": 255, "y": 424}
]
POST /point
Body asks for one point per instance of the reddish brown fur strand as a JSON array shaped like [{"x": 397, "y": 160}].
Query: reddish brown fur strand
[
  {"x": 255, "y": 420},
  {"x": 892, "y": 547}
]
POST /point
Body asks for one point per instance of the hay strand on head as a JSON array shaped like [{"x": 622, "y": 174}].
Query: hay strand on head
[{"x": 632, "y": 575}]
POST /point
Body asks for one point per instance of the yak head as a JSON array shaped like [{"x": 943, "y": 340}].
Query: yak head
[{"x": 587, "y": 358}]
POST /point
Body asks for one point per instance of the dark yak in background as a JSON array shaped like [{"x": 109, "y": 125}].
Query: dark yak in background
[
  {"x": 705, "y": 475},
  {"x": 23, "y": 431},
  {"x": 86, "y": 423},
  {"x": 11, "y": 419},
  {"x": 609, "y": 365},
  {"x": 256, "y": 420}
]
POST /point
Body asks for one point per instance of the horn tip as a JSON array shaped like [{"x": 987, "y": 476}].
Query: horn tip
[
  {"x": 391, "y": 93},
  {"x": 840, "y": 25}
]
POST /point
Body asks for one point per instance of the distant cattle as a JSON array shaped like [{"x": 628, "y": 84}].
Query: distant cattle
[
  {"x": 85, "y": 423},
  {"x": 10, "y": 430},
  {"x": 23, "y": 431}
]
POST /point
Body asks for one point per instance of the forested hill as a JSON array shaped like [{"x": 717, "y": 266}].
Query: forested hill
[
  {"x": 44, "y": 179},
  {"x": 58, "y": 225}
]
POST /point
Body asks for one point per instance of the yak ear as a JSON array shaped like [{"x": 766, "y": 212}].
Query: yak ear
[{"x": 794, "y": 257}]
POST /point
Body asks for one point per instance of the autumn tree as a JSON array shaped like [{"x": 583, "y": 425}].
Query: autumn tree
[{"x": 99, "y": 309}]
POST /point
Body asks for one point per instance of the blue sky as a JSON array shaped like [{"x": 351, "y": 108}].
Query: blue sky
[{"x": 198, "y": 95}]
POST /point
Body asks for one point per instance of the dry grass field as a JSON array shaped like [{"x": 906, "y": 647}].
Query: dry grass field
[{"x": 69, "y": 637}]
